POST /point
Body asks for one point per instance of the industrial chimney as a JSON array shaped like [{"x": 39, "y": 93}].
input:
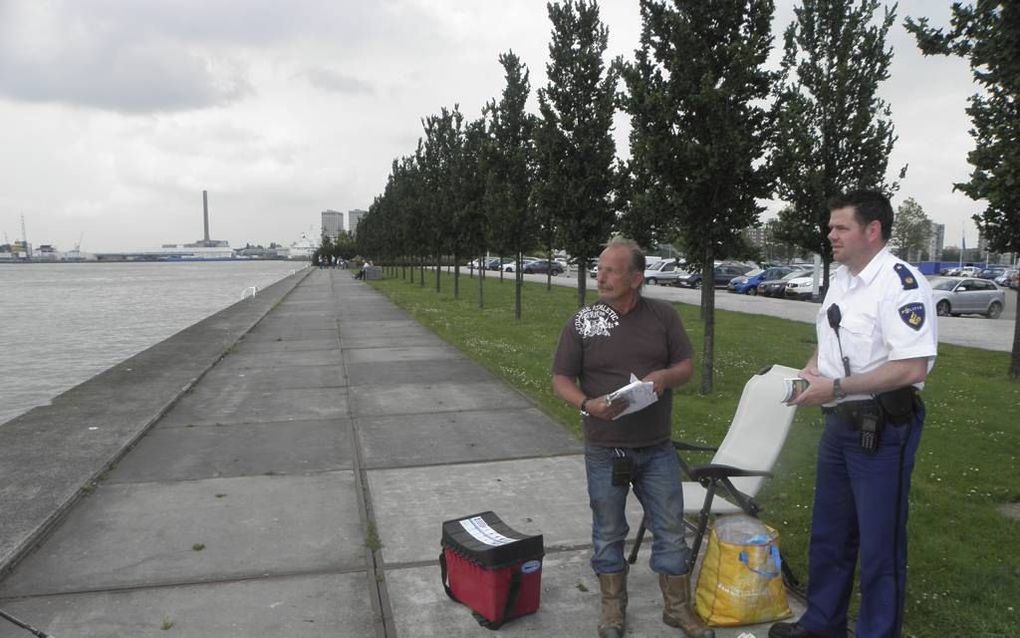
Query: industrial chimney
[{"x": 205, "y": 213}]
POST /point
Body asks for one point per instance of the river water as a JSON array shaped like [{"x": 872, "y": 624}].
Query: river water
[{"x": 61, "y": 324}]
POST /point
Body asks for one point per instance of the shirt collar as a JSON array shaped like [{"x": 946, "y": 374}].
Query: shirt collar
[{"x": 868, "y": 274}]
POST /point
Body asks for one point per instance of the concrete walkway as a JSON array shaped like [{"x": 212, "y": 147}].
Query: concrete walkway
[{"x": 290, "y": 480}]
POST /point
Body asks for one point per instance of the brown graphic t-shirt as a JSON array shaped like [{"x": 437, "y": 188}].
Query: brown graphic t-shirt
[{"x": 601, "y": 349}]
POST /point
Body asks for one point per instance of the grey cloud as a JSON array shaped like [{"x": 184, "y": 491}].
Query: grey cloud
[
  {"x": 329, "y": 80},
  {"x": 131, "y": 80},
  {"x": 47, "y": 55}
]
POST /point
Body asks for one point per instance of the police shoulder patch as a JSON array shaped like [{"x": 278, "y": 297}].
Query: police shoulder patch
[
  {"x": 906, "y": 277},
  {"x": 912, "y": 314}
]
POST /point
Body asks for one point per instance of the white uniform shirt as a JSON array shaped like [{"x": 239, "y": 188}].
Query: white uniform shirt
[{"x": 887, "y": 312}]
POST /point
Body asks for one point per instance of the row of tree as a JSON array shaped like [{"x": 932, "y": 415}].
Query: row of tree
[{"x": 714, "y": 132}]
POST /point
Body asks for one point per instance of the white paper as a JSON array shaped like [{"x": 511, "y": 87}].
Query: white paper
[{"x": 638, "y": 395}]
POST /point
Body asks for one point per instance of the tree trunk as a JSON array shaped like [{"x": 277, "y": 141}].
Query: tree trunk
[
  {"x": 439, "y": 268},
  {"x": 708, "y": 318},
  {"x": 456, "y": 277},
  {"x": 582, "y": 280},
  {"x": 481, "y": 280},
  {"x": 1014, "y": 358},
  {"x": 518, "y": 284}
]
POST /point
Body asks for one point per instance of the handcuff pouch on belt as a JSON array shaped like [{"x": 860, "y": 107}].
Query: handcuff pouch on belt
[
  {"x": 898, "y": 406},
  {"x": 895, "y": 408}
]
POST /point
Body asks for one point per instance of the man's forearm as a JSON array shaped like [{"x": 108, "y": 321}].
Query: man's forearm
[{"x": 566, "y": 389}]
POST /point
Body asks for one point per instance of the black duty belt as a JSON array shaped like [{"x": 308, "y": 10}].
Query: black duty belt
[{"x": 848, "y": 408}]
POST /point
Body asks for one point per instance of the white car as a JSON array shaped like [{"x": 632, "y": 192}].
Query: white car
[
  {"x": 804, "y": 287},
  {"x": 511, "y": 264},
  {"x": 662, "y": 271}
]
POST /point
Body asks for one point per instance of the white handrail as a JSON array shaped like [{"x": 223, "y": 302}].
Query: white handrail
[{"x": 250, "y": 289}]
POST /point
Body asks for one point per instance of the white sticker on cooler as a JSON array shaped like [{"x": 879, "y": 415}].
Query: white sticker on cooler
[{"x": 478, "y": 528}]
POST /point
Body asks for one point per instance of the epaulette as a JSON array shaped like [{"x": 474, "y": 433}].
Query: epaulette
[{"x": 906, "y": 277}]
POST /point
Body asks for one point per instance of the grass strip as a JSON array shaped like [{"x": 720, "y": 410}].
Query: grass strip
[{"x": 964, "y": 562}]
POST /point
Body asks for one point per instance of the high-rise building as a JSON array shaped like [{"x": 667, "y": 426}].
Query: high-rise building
[
  {"x": 353, "y": 217},
  {"x": 332, "y": 223},
  {"x": 936, "y": 240}
]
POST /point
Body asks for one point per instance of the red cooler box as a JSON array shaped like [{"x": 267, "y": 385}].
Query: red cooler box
[{"x": 492, "y": 569}]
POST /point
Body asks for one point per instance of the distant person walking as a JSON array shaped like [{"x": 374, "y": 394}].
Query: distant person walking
[
  {"x": 599, "y": 348},
  {"x": 877, "y": 339}
]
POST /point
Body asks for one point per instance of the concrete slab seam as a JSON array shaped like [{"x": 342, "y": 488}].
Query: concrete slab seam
[{"x": 376, "y": 571}]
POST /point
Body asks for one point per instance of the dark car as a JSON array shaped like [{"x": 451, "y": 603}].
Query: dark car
[
  {"x": 722, "y": 274},
  {"x": 777, "y": 287},
  {"x": 748, "y": 284},
  {"x": 542, "y": 266}
]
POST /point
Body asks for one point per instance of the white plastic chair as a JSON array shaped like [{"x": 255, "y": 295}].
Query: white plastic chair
[{"x": 742, "y": 461}]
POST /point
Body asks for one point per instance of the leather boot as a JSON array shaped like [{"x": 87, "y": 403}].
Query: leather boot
[
  {"x": 677, "y": 610},
  {"x": 614, "y": 604}
]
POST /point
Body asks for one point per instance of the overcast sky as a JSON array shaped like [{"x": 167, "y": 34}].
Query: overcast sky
[{"x": 116, "y": 114}]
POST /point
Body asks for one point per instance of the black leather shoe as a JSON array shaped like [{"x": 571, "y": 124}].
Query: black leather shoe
[{"x": 790, "y": 630}]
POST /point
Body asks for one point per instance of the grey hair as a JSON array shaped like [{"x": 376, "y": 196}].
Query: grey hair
[{"x": 637, "y": 256}]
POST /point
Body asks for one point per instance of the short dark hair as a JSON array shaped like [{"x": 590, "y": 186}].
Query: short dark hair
[
  {"x": 869, "y": 206},
  {"x": 637, "y": 257}
]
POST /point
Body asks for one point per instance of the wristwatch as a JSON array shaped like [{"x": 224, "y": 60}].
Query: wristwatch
[
  {"x": 584, "y": 403},
  {"x": 837, "y": 389}
]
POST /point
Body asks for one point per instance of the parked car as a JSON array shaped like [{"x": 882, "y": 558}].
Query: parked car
[
  {"x": 542, "y": 266},
  {"x": 661, "y": 272},
  {"x": 1006, "y": 278},
  {"x": 803, "y": 287},
  {"x": 991, "y": 272},
  {"x": 777, "y": 287},
  {"x": 722, "y": 274},
  {"x": 510, "y": 265},
  {"x": 748, "y": 284},
  {"x": 967, "y": 295}
]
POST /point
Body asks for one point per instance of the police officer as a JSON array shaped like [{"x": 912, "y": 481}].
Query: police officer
[{"x": 877, "y": 339}]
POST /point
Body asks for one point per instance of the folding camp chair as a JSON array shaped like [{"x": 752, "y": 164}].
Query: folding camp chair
[{"x": 741, "y": 463}]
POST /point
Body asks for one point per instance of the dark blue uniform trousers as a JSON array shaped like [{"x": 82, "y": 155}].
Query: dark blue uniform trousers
[{"x": 860, "y": 505}]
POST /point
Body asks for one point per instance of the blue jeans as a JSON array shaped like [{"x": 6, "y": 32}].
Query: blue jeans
[{"x": 656, "y": 480}]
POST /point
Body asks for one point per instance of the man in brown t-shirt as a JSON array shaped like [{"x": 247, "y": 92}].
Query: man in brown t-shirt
[{"x": 600, "y": 347}]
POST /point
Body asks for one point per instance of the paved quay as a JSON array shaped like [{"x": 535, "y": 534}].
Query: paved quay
[{"x": 283, "y": 469}]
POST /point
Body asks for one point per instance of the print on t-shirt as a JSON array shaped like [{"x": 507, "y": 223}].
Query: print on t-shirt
[{"x": 596, "y": 321}]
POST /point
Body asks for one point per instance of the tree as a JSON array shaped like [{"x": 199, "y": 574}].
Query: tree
[
  {"x": 574, "y": 141},
  {"x": 699, "y": 130},
  {"x": 911, "y": 230},
  {"x": 833, "y": 132},
  {"x": 988, "y": 35},
  {"x": 440, "y": 155},
  {"x": 511, "y": 162}
]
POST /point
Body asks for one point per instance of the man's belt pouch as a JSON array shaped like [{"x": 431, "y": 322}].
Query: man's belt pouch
[
  {"x": 897, "y": 405},
  {"x": 491, "y": 568}
]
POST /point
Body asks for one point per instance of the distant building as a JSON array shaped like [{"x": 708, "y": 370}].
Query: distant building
[
  {"x": 205, "y": 242},
  {"x": 332, "y": 223},
  {"x": 936, "y": 241},
  {"x": 353, "y": 217}
]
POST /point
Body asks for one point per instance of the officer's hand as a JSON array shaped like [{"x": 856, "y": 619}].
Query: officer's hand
[
  {"x": 818, "y": 392},
  {"x": 600, "y": 408}
]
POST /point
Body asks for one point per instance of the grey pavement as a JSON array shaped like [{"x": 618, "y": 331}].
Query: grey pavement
[{"x": 283, "y": 469}]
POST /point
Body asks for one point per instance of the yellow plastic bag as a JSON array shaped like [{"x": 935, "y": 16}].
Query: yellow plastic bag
[{"x": 741, "y": 580}]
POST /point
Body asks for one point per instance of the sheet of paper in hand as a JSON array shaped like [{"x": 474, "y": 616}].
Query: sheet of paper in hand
[{"x": 637, "y": 394}]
